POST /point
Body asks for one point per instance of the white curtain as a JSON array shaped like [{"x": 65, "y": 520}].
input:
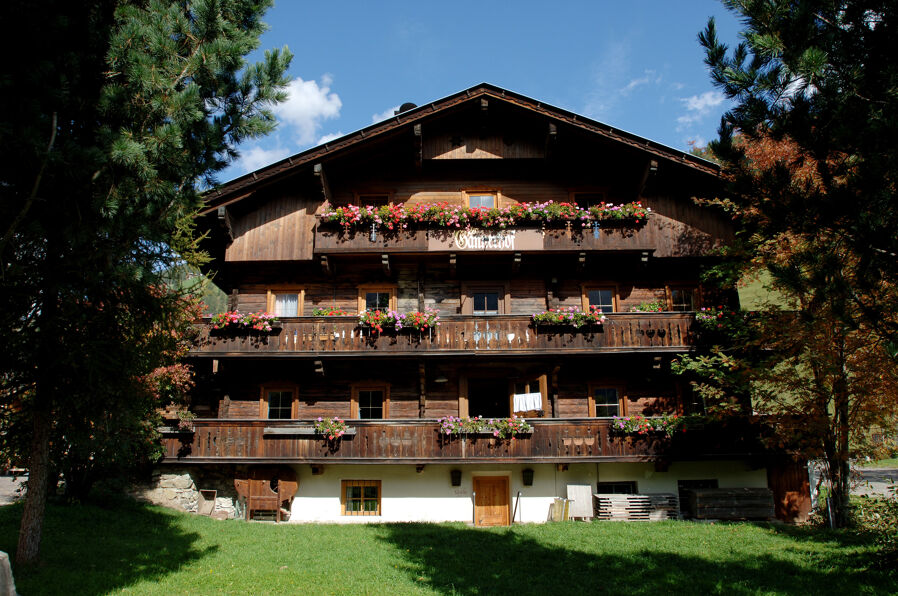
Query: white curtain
[{"x": 286, "y": 305}]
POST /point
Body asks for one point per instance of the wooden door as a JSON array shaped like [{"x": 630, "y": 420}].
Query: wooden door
[{"x": 491, "y": 501}]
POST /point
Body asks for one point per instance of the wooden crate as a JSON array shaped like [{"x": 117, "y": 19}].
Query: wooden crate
[{"x": 645, "y": 507}]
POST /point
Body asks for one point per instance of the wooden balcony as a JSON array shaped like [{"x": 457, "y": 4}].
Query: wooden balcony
[
  {"x": 331, "y": 239},
  {"x": 503, "y": 334},
  {"x": 418, "y": 441}
]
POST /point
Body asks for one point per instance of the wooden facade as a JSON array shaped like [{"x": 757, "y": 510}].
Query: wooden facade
[{"x": 259, "y": 393}]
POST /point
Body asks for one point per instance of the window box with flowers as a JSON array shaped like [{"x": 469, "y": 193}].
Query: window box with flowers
[
  {"x": 236, "y": 321},
  {"x": 330, "y": 312},
  {"x": 391, "y": 320},
  {"x": 570, "y": 317},
  {"x": 638, "y": 424},
  {"x": 392, "y": 218},
  {"x": 499, "y": 428},
  {"x": 323, "y": 427}
]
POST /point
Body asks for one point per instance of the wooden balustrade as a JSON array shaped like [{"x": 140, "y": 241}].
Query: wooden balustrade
[
  {"x": 458, "y": 334},
  {"x": 419, "y": 441},
  {"x": 331, "y": 239}
]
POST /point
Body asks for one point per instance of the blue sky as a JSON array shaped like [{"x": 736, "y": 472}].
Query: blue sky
[{"x": 634, "y": 65}]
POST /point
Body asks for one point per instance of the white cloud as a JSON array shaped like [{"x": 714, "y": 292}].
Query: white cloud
[
  {"x": 388, "y": 113},
  {"x": 705, "y": 102},
  {"x": 649, "y": 77},
  {"x": 697, "y": 107},
  {"x": 308, "y": 105},
  {"x": 329, "y": 137},
  {"x": 257, "y": 157}
]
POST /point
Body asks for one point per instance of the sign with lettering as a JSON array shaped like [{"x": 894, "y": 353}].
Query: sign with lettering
[{"x": 484, "y": 240}]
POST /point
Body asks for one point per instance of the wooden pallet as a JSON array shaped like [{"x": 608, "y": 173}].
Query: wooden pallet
[{"x": 647, "y": 507}]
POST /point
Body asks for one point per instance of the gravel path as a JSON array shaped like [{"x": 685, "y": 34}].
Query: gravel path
[{"x": 876, "y": 481}]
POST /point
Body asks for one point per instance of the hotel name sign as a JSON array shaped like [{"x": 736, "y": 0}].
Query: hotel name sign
[{"x": 484, "y": 240}]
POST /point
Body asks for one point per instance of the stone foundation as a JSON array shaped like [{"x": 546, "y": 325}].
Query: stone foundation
[{"x": 179, "y": 488}]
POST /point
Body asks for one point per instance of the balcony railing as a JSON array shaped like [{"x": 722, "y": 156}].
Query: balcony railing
[
  {"x": 507, "y": 334},
  {"x": 330, "y": 239},
  {"x": 419, "y": 441}
]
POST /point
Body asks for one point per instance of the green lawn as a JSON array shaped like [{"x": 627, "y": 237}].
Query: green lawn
[
  {"x": 879, "y": 463},
  {"x": 135, "y": 549}
]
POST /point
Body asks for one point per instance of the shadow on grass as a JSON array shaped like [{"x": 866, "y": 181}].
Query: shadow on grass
[
  {"x": 459, "y": 560},
  {"x": 91, "y": 549}
]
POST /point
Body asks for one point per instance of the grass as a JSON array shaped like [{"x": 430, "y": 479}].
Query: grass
[
  {"x": 891, "y": 462},
  {"x": 126, "y": 548}
]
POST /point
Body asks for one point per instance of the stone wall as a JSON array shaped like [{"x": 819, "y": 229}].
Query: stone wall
[{"x": 178, "y": 488}]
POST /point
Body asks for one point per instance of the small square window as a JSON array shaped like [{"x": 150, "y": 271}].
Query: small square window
[
  {"x": 682, "y": 299},
  {"x": 377, "y": 300},
  {"x": 360, "y": 497},
  {"x": 486, "y": 303},
  {"x": 616, "y": 488},
  {"x": 482, "y": 200},
  {"x": 286, "y": 305},
  {"x": 602, "y": 300},
  {"x": 607, "y": 402},
  {"x": 371, "y": 404},
  {"x": 585, "y": 200},
  {"x": 374, "y": 200},
  {"x": 280, "y": 405}
]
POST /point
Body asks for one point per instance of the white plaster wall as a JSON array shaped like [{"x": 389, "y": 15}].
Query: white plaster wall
[
  {"x": 729, "y": 474},
  {"x": 428, "y": 496}
]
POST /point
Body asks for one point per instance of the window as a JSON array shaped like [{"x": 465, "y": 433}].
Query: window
[
  {"x": 616, "y": 488},
  {"x": 486, "y": 303},
  {"x": 278, "y": 402},
  {"x": 373, "y": 200},
  {"x": 484, "y": 298},
  {"x": 285, "y": 302},
  {"x": 605, "y": 401},
  {"x": 485, "y": 199},
  {"x": 603, "y": 299},
  {"x": 585, "y": 200},
  {"x": 360, "y": 497},
  {"x": 682, "y": 299},
  {"x": 370, "y": 402},
  {"x": 377, "y": 297}
]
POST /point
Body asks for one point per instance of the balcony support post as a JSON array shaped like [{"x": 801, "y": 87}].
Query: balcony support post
[
  {"x": 419, "y": 146},
  {"x": 422, "y": 388},
  {"x": 318, "y": 170}
]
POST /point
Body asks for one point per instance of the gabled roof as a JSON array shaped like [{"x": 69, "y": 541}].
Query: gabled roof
[{"x": 240, "y": 187}]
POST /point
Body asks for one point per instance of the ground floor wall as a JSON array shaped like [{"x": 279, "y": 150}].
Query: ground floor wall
[{"x": 428, "y": 495}]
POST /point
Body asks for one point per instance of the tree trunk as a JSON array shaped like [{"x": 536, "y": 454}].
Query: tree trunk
[
  {"x": 36, "y": 496},
  {"x": 42, "y": 412}
]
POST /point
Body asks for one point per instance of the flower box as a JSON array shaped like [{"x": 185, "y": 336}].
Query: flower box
[{"x": 299, "y": 431}]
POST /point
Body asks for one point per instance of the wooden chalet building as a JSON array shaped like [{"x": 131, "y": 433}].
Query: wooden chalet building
[{"x": 259, "y": 394}]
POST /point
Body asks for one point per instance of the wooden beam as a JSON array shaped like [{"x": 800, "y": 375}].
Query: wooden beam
[
  {"x": 422, "y": 389},
  {"x": 516, "y": 263},
  {"x": 551, "y": 139},
  {"x": 422, "y": 273},
  {"x": 651, "y": 167},
  {"x": 453, "y": 263},
  {"x": 419, "y": 146},
  {"x": 385, "y": 263},
  {"x": 581, "y": 261},
  {"x": 326, "y": 266},
  {"x": 462, "y": 396},
  {"x": 319, "y": 367},
  {"x": 318, "y": 169},
  {"x": 232, "y": 299},
  {"x": 224, "y": 222}
]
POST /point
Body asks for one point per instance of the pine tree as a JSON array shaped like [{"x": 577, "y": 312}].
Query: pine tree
[{"x": 113, "y": 115}]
